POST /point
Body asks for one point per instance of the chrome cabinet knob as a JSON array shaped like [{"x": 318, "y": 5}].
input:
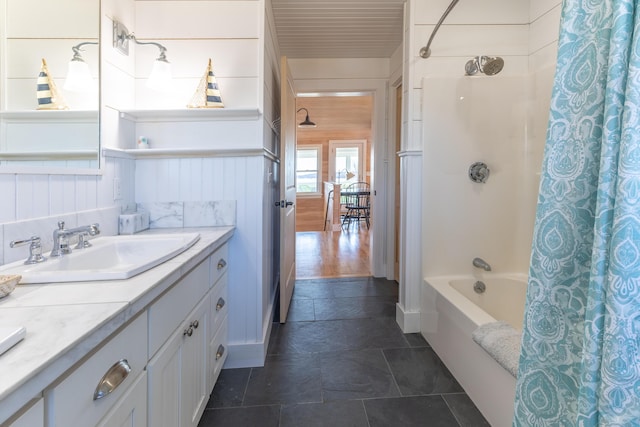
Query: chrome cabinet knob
[
  {"x": 220, "y": 352},
  {"x": 222, "y": 264},
  {"x": 221, "y": 302},
  {"x": 188, "y": 332}
]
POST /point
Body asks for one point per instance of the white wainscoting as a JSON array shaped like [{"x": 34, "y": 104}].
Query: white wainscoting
[{"x": 227, "y": 178}]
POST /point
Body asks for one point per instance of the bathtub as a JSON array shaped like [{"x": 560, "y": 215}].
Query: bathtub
[{"x": 450, "y": 311}]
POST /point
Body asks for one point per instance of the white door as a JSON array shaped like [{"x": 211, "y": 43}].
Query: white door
[{"x": 287, "y": 188}]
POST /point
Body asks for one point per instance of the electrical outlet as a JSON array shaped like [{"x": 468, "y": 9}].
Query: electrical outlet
[{"x": 117, "y": 189}]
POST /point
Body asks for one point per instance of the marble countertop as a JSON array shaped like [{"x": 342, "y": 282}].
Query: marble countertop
[{"x": 66, "y": 321}]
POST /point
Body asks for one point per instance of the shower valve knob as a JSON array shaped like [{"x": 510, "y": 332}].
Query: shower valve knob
[{"x": 479, "y": 172}]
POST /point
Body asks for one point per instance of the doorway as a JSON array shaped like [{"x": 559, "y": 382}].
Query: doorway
[{"x": 344, "y": 133}]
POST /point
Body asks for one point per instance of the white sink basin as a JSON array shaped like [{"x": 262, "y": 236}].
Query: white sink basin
[{"x": 110, "y": 258}]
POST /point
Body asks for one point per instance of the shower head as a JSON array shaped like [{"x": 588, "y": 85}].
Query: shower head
[
  {"x": 491, "y": 65},
  {"x": 487, "y": 65}
]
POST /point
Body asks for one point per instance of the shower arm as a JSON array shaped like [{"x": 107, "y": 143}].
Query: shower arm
[{"x": 425, "y": 52}]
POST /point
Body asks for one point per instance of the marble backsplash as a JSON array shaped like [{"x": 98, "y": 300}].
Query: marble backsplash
[{"x": 190, "y": 214}]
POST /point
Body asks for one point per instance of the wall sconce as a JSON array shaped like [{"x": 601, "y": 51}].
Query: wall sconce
[
  {"x": 78, "y": 75},
  {"x": 160, "y": 76},
  {"x": 306, "y": 123}
]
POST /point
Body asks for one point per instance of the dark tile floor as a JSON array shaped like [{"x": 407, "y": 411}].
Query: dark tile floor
[{"x": 342, "y": 360}]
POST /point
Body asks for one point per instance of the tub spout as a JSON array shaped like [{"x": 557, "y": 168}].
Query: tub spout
[{"x": 480, "y": 263}]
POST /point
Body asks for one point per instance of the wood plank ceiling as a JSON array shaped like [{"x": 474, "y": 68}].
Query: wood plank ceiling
[{"x": 338, "y": 28}]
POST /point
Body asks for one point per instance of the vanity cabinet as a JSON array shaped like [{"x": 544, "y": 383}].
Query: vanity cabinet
[
  {"x": 183, "y": 371},
  {"x": 156, "y": 370}
]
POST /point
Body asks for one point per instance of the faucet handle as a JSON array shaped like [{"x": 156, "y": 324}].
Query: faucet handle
[
  {"x": 82, "y": 242},
  {"x": 60, "y": 225},
  {"x": 35, "y": 249}
]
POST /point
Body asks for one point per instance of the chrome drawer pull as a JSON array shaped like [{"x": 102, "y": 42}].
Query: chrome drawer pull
[
  {"x": 220, "y": 304},
  {"x": 195, "y": 324},
  {"x": 112, "y": 379},
  {"x": 220, "y": 352},
  {"x": 188, "y": 331},
  {"x": 222, "y": 264}
]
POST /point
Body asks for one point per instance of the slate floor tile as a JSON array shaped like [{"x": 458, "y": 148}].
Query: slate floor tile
[
  {"x": 417, "y": 411},
  {"x": 342, "y": 413},
  {"x": 263, "y": 416},
  {"x": 229, "y": 389},
  {"x": 465, "y": 411},
  {"x": 355, "y": 308},
  {"x": 301, "y": 310},
  {"x": 419, "y": 371},
  {"x": 292, "y": 378},
  {"x": 356, "y": 375}
]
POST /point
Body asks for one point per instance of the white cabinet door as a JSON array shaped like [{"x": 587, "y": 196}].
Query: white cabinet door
[
  {"x": 131, "y": 409},
  {"x": 194, "y": 366},
  {"x": 177, "y": 374}
]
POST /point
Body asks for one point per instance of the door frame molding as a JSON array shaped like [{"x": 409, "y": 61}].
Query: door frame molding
[{"x": 383, "y": 153}]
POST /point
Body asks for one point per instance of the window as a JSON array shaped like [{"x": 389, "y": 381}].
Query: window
[
  {"x": 309, "y": 170},
  {"x": 346, "y": 161}
]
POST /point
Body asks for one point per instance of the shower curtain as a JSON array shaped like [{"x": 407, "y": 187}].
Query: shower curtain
[{"x": 580, "y": 359}]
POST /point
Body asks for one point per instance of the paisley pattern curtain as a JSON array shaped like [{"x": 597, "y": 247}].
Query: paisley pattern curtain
[{"x": 580, "y": 360}]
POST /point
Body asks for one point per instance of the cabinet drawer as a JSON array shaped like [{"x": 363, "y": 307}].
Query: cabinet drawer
[
  {"x": 171, "y": 309},
  {"x": 218, "y": 352},
  {"x": 219, "y": 305},
  {"x": 73, "y": 399},
  {"x": 219, "y": 260}
]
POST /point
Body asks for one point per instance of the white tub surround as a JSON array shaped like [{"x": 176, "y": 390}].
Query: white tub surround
[
  {"x": 67, "y": 322},
  {"x": 448, "y": 322}
]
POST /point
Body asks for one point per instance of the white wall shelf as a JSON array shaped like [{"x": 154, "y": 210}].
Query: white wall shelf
[
  {"x": 45, "y": 116},
  {"x": 181, "y": 153},
  {"x": 190, "y": 115}
]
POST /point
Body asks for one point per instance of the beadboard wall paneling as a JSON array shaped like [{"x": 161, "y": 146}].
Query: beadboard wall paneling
[{"x": 222, "y": 178}]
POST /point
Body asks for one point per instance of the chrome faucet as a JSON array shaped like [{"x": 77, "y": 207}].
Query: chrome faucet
[
  {"x": 62, "y": 235},
  {"x": 480, "y": 263}
]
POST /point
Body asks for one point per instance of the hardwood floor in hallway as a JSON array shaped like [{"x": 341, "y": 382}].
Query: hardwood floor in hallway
[{"x": 326, "y": 254}]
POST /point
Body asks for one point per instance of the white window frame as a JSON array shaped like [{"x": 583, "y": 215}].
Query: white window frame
[
  {"x": 362, "y": 147},
  {"x": 318, "y": 148}
]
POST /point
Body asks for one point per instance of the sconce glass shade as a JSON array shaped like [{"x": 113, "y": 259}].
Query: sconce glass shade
[
  {"x": 160, "y": 78},
  {"x": 78, "y": 77}
]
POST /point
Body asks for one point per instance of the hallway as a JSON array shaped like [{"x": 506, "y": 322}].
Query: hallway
[
  {"x": 341, "y": 360},
  {"x": 324, "y": 254}
]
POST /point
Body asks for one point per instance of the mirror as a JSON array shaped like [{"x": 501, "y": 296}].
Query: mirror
[{"x": 48, "y": 117}]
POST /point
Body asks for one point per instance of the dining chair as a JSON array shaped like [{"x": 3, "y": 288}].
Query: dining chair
[{"x": 358, "y": 204}]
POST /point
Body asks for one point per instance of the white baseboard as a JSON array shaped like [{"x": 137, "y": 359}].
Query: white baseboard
[
  {"x": 409, "y": 321},
  {"x": 250, "y": 355}
]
